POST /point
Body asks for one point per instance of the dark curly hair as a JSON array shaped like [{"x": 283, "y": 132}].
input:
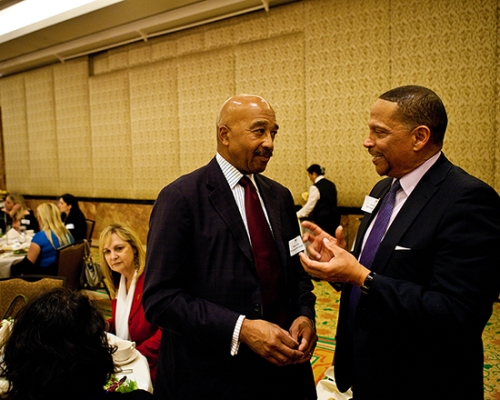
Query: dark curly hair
[{"x": 58, "y": 349}]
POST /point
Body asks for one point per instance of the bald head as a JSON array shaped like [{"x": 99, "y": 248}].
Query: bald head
[
  {"x": 240, "y": 104},
  {"x": 246, "y": 127}
]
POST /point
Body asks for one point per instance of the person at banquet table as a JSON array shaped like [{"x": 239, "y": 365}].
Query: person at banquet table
[
  {"x": 72, "y": 217},
  {"x": 58, "y": 349},
  {"x": 223, "y": 278},
  {"x": 42, "y": 252},
  {"x": 321, "y": 204},
  {"x": 17, "y": 215},
  {"x": 123, "y": 259},
  {"x": 419, "y": 287}
]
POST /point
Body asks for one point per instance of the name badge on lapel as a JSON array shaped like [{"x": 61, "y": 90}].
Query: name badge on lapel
[
  {"x": 369, "y": 204},
  {"x": 70, "y": 226},
  {"x": 25, "y": 221},
  {"x": 296, "y": 246}
]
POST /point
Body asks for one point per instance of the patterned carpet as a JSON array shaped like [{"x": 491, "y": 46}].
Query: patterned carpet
[{"x": 327, "y": 305}]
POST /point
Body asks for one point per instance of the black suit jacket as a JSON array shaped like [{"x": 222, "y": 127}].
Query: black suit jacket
[
  {"x": 418, "y": 331},
  {"x": 200, "y": 277}
]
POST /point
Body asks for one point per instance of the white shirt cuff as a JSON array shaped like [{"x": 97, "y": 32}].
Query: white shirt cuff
[{"x": 235, "y": 341}]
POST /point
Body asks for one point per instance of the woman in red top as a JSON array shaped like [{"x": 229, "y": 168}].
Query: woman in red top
[{"x": 123, "y": 259}]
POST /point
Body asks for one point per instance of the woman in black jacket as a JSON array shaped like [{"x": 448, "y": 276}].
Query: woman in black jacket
[{"x": 72, "y": 216}]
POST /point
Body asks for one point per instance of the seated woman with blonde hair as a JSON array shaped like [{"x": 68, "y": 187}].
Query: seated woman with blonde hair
[
  {"x": 122, "y": 263},
  {"x": 16, "y": 214},
  {"x": 42, "y": 253}
]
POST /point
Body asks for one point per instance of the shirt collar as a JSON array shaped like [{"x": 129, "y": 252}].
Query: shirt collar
[
  {"x": 230, "y": 172},
  {"x": 411, "y": 179}
]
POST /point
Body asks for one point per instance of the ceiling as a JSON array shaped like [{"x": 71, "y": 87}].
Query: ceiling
[{"x": 121, "y": 23}]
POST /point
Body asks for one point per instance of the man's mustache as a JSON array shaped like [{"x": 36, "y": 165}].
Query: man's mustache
[{"x": 265, "y": 153}]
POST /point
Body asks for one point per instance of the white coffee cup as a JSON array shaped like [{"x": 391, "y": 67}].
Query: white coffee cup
[{"x": 124, "y": 350}]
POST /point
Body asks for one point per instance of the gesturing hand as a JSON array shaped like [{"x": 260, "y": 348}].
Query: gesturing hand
[{"x": 317, "y": 251}]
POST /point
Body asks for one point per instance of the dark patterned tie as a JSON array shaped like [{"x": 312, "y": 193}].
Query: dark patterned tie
[
  {"x": 373, "y": 241},
  {"x": 264, "y": 253}
]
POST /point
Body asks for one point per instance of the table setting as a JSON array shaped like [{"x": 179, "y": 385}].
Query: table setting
[{"x": 13, "y": 248}]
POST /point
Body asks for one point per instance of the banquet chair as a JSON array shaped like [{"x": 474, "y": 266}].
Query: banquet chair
[
  {"x": 69, "y": 260},
  {"x": 90, "y": 229},
  {"x": 15, "y": 292}
]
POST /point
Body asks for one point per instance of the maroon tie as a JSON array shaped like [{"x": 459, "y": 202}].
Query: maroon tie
[{"x": 265, "y": 255}]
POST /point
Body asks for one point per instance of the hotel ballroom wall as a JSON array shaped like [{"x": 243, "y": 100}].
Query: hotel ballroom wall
[{"x": 123, "y": 123}]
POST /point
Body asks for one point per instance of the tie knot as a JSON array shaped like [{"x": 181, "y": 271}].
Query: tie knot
[
  {"x": 245, "y": 181},
  {"x": 395, "y": 186}
]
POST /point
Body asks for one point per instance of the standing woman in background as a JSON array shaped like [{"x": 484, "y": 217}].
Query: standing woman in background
[
  {"x": 42, "y": 253},
  {"x": 16, "y": 214},
  {"x": 72, "y": 216},
  {"x": 321, "y": 205},
  {"x": 122, "y": 262}
]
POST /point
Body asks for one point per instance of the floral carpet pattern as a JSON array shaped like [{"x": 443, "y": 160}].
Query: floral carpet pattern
[{"x": 327, "y": 305}]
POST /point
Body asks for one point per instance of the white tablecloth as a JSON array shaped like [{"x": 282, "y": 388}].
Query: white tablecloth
[{"x": 8, "y": 258}]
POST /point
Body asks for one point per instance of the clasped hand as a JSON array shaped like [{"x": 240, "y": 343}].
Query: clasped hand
[
  {"x": 278, "y": 346},
  {"x": 328, "y": 259}
]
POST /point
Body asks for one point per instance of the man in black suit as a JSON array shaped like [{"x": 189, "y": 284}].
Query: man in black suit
[
  {"x": 410, "y": 326},
  {"x": 222, "y": 338}
]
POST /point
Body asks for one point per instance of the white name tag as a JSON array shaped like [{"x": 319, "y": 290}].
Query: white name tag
[
  {"x": 296, "y": 246},
  {"x": 369, "y": 204},
  {"x": 25, "y": 222},
  {"x": 70, "y": 226}
]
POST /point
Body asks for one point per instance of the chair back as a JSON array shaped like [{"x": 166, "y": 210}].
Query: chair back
[
  {"x": 69, "y": 262},
  {"x": 90, "y": 229},
  {"x": 15, "y": 292}
]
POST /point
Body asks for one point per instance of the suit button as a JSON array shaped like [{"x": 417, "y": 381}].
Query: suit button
[{"x": 256, "y": 307}]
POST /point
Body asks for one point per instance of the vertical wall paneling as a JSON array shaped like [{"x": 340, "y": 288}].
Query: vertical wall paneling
[
  {"x": 205, "y": 81},
  {"x": 15, "y": 134},
  {"x": 111, "y": 137},
  {"x": 154, "y": 127},
  {"x": 74, "y": 144},
  {"x": 42, "y": 135},
  {"x": 146, "y": 114}
]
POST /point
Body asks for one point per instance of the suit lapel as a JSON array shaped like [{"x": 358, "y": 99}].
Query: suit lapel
[
  {"x": 422, "y": 193},
  {"x": 222, "y": 199}
]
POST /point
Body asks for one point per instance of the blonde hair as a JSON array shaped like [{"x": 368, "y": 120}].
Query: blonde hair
[
  {"x": 50, "y": 221},
  {"x": 127, "y": 234},
  {"x": 18, "y": 198}
]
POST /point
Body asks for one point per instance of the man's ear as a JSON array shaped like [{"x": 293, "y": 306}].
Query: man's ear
[
  {"x": 422, "y": 137},
  {"x": 222, "y": 134}
]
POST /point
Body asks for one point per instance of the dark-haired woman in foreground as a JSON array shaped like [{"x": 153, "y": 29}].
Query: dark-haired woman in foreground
[{"x": 58, "y": 350}]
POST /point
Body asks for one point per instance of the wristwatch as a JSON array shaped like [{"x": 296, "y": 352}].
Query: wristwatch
[{"x": 365, "y": 288}]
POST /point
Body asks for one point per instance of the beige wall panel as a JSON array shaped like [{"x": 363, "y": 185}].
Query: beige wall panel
[
  {"x": 15, "y": 134},
  {"x": 74, "y": 146},
  {"x": 347, "y": 67},
  {"x": 139, "y": 54},
  {"x": 205, "y": 81},
  {"x": 42, "y": 137},
  {"x": 450, "y": 46},
  {"x": 155, "y": 128},
  {"x": 111, "y": 138},
  {"x": 274, "y": 69},
  {"x": 163, "y": 48}
]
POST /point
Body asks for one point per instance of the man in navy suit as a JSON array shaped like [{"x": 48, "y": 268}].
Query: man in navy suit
[
  {"x": 202, "y": 286},
  {"x": 414, "y": 330}
]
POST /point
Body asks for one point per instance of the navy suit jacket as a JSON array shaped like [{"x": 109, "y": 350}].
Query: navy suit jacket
[
  {"x": 418, "y": 331},
  {"x": 200, "y": 277}
]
